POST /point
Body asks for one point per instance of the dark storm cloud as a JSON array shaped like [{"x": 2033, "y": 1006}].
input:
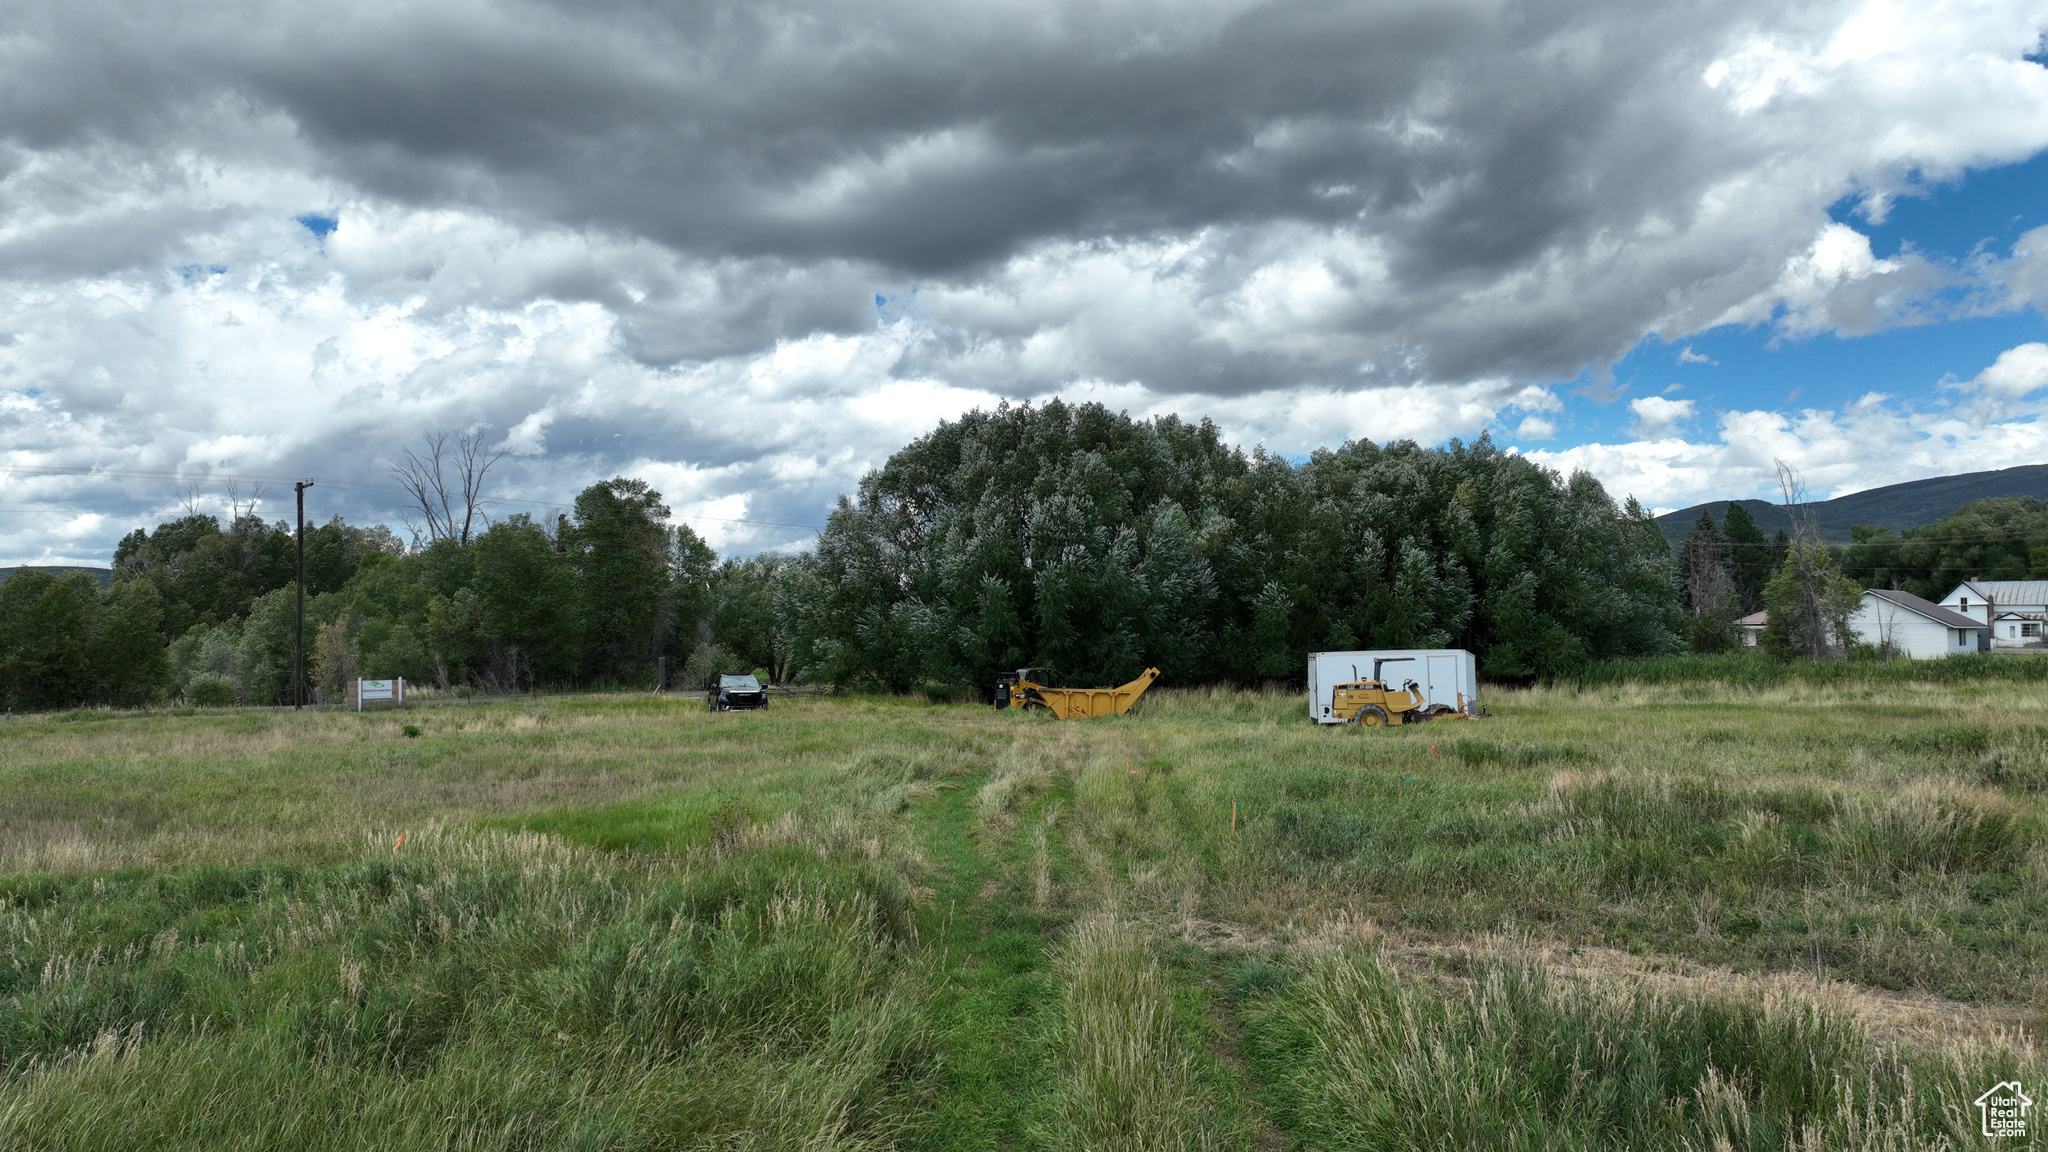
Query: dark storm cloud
[
  {"x": 1469, "y": 142},
  {"x": 930, "y": 139}
]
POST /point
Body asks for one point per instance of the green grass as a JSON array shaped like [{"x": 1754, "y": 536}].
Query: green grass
[{"x": 1618, "y": 916}]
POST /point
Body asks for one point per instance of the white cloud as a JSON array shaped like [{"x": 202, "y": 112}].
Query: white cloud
[
  {"x": 2016, "y": 372},
  {"x": 1687, "y": 356},
  {"x": 1657, "y": 417},
  {"x": 1873, "y": 441},
  {"x": 529, "y": 436}
]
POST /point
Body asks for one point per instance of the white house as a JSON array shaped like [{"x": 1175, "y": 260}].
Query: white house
[
  {"x": 1752, "y": 627},
  {"x": 1913, "y": 627},
  {"x": 2010, "y": 610}
]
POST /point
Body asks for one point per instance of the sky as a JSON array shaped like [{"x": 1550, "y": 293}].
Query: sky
[{"x": 746, "y": 251}]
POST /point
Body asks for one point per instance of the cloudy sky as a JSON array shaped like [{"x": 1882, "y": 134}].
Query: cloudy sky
[{"x": 745, "y": 250}]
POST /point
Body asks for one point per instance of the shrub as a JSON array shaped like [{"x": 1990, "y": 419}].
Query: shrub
[{"x": 210, "y": 690}]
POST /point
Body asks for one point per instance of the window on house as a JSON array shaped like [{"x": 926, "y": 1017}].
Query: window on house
[{"x": 2031, "y": 631}]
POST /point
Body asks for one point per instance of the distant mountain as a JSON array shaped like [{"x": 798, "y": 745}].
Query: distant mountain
[
  {"x": 104, "y": 575},
  {"x": 1893, "y": 506}
]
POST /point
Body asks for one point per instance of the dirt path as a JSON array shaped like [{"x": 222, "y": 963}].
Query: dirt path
[{"x": 1919, "y": 1020}]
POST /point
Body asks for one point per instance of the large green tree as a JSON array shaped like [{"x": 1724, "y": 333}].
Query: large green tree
[
  {"x": 745, "y": 617},
  {"x": 1077, "y": 538},
  {"x": 619, "y": 547},
  {"x": 1752, "y": 557},
  {"x": 65, "y": 642},
  {"x": 525, "y": 597},
  {"x": 1810, "y": 601},
  {"x": 1712, "y": 596},
  {"x": 46, "y": 638},
  {"x": 129, "y": 654}
]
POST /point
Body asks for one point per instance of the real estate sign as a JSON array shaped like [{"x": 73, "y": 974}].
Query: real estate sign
[{"x": 368, "y": 690}]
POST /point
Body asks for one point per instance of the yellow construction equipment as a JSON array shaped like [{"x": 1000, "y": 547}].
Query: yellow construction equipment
[
  {"x": 1371, "y": 704},
  {"x": 1027, "y": 689}
]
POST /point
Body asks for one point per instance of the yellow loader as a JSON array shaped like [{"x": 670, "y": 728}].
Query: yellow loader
[
  {"x": 1028, "y": 689},
  {"x": 1371, "y": 704}
]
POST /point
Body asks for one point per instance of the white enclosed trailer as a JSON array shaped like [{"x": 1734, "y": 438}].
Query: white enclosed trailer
[{"x": 1446, "y": 676}]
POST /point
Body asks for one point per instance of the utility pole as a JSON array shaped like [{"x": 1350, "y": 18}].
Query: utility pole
[{"x": 299, "y": 633}]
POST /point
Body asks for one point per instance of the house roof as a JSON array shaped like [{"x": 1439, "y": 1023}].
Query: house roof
[
  {"x": 1753, "y": 620},
  {"x": 1934, "y": 612},
  {"x": 2002, "y": 591}
]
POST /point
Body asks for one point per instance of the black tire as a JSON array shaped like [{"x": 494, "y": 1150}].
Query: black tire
[{"x": 1370, "y": 716}]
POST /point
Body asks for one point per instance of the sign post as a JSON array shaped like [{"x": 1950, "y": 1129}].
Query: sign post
[{"x": 392, "y": 690}]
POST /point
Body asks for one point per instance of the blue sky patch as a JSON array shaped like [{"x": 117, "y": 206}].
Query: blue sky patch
[
  {"x": 1738, "y": 368},
  {"x": 319, "y": 223},
  {"x": 1988, "y": 209}
]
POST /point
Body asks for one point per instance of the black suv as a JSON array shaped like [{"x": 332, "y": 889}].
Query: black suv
[{"x": 732, "y": 690}]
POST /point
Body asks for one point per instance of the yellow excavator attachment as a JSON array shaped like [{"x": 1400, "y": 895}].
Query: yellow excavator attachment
[{"x": 1021, "y": 691}]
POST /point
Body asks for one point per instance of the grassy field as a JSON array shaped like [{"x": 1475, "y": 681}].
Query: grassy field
[{"x": 1614, "y": 917}]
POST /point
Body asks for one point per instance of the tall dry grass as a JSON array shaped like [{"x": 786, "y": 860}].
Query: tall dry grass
[
  {"x": 1524, "y": 1060},
  {"x": 1130, "y": 1082}
]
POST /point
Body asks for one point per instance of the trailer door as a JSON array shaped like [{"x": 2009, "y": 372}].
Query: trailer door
[{"x": 1445, "y": 678}]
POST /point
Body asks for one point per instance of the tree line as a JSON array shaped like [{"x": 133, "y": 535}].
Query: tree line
[{"x": 1058, "y": 535}]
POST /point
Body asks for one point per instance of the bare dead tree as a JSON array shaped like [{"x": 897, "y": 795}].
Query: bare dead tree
[
  {"x": 237, "y": 508},
  {"x": 450, "y": 505},
  {"x": 1887, "y": 629},
  {"x": 188, "y": 497},
  {"x": 1812, "y": 631},
  {"x": 472, "y": 461},
  {"x": 420, "y": 475}
]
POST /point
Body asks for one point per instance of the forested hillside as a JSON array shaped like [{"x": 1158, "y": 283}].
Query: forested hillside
[
  {"x": 1894, "y": 506},
  {"x": 1068, "y": 536}
]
